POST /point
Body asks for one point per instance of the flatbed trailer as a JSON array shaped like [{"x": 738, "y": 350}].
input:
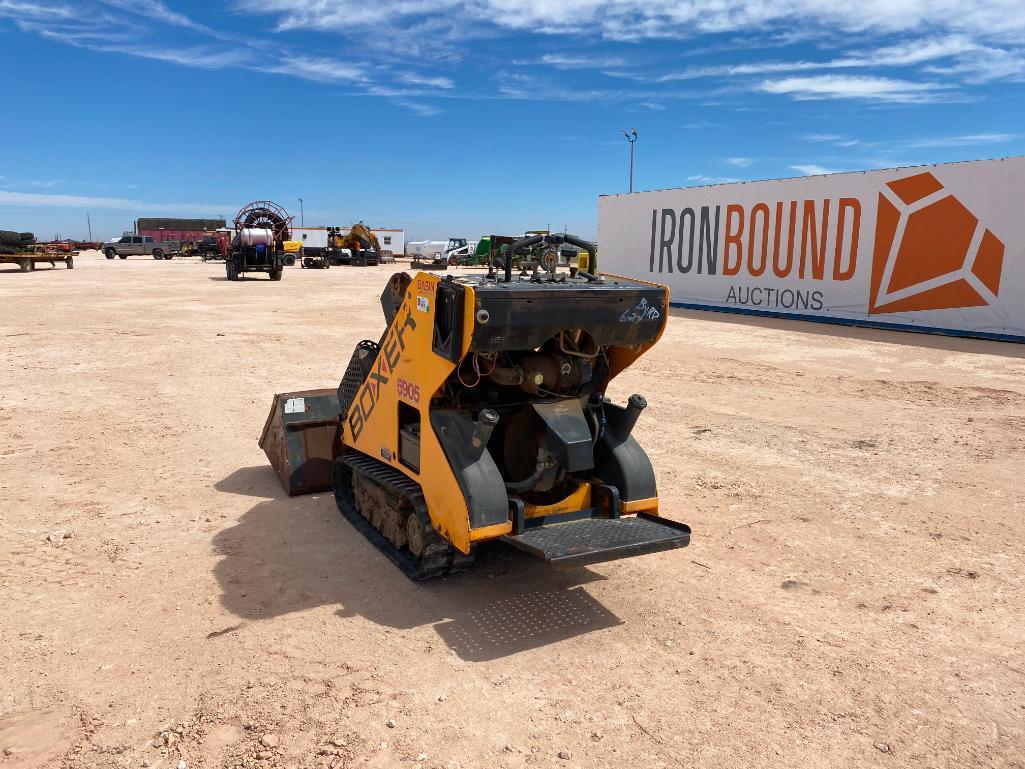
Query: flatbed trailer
[
  {"x": 419, "y": 262},
  {"x": 28, "y": 260}
]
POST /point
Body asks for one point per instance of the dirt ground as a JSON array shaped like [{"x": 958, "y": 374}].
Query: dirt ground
[{"x": 852, "y": 596}]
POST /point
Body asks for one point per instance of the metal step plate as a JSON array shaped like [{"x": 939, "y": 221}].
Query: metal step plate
[{"x": 593, "y": 540}]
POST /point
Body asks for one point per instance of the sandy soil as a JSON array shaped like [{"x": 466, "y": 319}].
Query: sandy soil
[{"x": 852, "y": 596}]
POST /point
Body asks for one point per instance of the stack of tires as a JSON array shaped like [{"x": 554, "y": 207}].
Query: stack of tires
[{"x": 13, "y": 242}]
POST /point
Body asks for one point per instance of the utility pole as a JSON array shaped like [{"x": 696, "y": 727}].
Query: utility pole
[
  {"x": 302, "y": 216},
  {"x": 632, "y": 139},
  {"x": 89, "y": 224}
]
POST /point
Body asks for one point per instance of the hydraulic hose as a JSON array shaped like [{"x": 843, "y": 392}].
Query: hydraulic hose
[
  {"x": 590, "y": 248},
  {"x": 518, "y": 487},
  {"x": 507, "y": 375}
]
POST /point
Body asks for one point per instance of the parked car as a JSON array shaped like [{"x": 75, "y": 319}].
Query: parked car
[{"x": 136, "y": 245}]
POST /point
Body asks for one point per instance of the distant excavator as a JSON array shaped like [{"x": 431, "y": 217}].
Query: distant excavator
[{"x": 362, "y": 244}]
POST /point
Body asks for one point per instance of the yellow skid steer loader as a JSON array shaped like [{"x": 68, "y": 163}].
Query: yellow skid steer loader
[{"x": 481, "y": 414}]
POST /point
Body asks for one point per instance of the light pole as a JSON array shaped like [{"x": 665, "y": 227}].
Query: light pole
[
  {"x": 632, "y": 138},
  {"x": 302, "y": 216}
]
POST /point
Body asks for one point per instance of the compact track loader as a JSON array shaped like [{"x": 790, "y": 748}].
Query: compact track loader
[{"x": 480, "y": 414}]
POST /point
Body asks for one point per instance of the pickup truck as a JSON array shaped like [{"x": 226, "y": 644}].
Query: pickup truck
[{"x": 133, "y": 245}]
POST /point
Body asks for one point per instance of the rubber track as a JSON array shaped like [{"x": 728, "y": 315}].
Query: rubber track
[{"x": 440, "y": 558}]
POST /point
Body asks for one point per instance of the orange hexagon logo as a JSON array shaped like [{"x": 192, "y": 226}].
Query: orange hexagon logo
[{"x": 931, "y": 252}]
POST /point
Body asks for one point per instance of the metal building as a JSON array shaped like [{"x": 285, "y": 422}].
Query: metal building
[{"x": 163, "y": 230}]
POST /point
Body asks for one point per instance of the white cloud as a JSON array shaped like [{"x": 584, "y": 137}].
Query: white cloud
[
  {"x": 968, "y": 41},
  {"x": 638, "y": 19},
  {"x": 562, "y": 61},
  {"x": 427, "y": 80},
  {"x": 740, "y": 162},
  {"x": 838, "y": 140},
  {"x": 853, "y": 87},
  {"x": 418, "y": 108},
  {"x": 126, "y": 41},
  {"x": 705, "y": 179},
  {"x": 733, "y": 70},
  {"x": 202, "y": 57},
  {"x": 919, "y": 51},
  {"x": 319, "y": 69},
  {"x": 810, "y": 169},
  {"x": 92, "y": 27},
  {"x": 521, "y": 86},
  {"x": 984, "y": 65},
  {"x": 41, "y": 10},
  {"x": 8, "y": 198},
  {"x": 156, "y": 10},
  {"x": 968, "y": 140},
  {"x": 905, "y": 54},
  {"x": 903, "y": 145},
  {"x": 88, "y": 26}
]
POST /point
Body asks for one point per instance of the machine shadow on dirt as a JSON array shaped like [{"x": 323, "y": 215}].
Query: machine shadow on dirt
[{"x": 290, "y": 554}]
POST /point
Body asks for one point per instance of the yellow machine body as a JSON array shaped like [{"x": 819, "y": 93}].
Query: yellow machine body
[{"x": 408, "y": 371}]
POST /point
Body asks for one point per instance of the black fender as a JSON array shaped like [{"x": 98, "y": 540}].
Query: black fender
[
  {"x": 621, "y": 460},
  {"x": 477, "y": 474}
]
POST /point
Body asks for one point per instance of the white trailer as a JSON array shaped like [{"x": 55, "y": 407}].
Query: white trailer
[
  {"x": 425, "y": 249},
  {"x": 931, "y": 248},
  {"x": 312, "y": 238},
  {"x": 315, "y": 238},
  {"x": 391, "y": 240}
]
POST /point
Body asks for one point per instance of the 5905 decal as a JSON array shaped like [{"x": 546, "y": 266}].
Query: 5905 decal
[{"x": 408, "y": 390}]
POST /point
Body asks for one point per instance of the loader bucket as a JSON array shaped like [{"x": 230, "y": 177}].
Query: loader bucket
[{"x": 300, "y": 439}]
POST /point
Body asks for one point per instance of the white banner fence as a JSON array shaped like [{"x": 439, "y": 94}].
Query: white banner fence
[{"x": 936, "y": 248}]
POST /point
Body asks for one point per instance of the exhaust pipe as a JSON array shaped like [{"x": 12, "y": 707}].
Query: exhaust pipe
[
  {"x": 482, "y": 429},
  {"x": 629, "y": 416}
]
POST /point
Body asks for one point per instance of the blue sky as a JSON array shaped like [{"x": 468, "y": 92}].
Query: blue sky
[{"x": 462, "y": 117}]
